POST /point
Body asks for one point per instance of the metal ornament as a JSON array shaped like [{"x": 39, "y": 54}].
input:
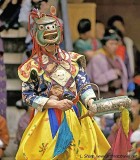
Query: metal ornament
[
  {"x": 62, "y": 77},
  {"x": 108, "y": 105},
  {"x": 111, "y": 105}
]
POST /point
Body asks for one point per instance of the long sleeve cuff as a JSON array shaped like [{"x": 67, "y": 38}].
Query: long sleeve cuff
[
  {"x": 88, "y": 94},
  {"x": 39, "y": 102}
]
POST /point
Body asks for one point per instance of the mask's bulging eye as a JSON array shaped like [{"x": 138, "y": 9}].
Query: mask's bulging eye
[
  {"x": 47, "y": 27},
  {"x": 41, "y": 27},
  {"x": 55, "y": 24}
]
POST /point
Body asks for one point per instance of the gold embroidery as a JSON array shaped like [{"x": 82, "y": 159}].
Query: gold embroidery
[
  {"x": 24, "y": 72},
  {"x": 50, "y": 67},
  {"x": 65, "y": 64},
  {"x": 61, "y": 76},
  {"x": 56, "y": 90}
]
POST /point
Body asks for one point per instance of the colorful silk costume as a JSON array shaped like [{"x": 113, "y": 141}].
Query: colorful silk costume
[{"x": 54, "y": 134}]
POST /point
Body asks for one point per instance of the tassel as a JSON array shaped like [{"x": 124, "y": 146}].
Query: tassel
[{"x": 125, "y": 120}]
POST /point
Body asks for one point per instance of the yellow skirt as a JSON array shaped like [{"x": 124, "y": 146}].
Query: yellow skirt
[{"x": 74, "y": 140}]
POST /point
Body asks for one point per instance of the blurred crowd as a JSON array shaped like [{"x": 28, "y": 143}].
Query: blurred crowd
[{"x": 113, "y": 63}]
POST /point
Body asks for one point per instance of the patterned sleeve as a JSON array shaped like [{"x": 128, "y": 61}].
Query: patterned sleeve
[
  {"x": 82, "y": 79},
  {"x": 30, "y": 97}
]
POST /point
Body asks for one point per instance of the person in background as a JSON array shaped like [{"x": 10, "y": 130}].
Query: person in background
[
  {"x": 106, "y": 122},
  {"x": 27, "y": 6},
  {"x": 113, "y": 133},
  {"x": 85, "y": 44},
  {"x": 99, "y": 33},
  {"x": 9, "y": 15},
  {"x": 135, "y": 109},
  {"x": 134, "y": 154},
  {"x": 3, "y": 93},
  {"x": 23, "y": 122},
  {"x": 4, "y": 136},
  {"x": 122, "y": 53},
  {"x": 133, "y": 54},
  {"x": 106, "y": 69},
  {"x": 117, "y": 137}
]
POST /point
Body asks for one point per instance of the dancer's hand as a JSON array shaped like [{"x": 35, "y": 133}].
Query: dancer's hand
[
  {"x": 63, "y": 105},
  {"x": 92, "y": 108}
]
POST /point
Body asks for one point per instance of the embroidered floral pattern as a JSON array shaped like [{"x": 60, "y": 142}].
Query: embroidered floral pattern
[{"x": 43, "y": 148}]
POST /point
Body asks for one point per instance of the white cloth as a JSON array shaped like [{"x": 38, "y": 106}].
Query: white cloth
[{"x": 135, "y": 137}]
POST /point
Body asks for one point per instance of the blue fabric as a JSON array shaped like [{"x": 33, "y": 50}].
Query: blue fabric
[
  {"x": 30, "y": 89},
  {"x": 64, "y": 138},
  {"x": 82, "y": 79},
  {"x": 131, "y": 86},
  {"x": 53, "y": 122},
  {"x": 76, "y": 110}
]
